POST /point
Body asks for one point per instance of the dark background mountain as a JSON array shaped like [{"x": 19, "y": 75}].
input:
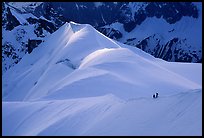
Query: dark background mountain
[{"x": 46, "y": 17}]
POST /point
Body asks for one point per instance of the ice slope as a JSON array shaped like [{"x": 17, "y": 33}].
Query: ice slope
[
  {"x": 173, "y": 115},
  {"x": 79, "y": 82}
]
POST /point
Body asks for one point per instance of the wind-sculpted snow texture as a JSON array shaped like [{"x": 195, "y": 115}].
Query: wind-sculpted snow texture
[{"x": 80, "y": 82}]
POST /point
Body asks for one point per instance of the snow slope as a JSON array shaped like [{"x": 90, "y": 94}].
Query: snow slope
[
  {"x": 79, "y": 82},
  {"x": 106, "y": 115}
]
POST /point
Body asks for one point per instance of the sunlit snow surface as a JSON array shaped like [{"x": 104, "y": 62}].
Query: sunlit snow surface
[{"x": 79, "y": 82}]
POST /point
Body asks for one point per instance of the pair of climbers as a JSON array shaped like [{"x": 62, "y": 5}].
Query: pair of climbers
[{"x": 156, "y": 95}]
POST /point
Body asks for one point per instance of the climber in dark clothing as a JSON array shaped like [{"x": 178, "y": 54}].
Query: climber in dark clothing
[{"x": 156, "y": 95}]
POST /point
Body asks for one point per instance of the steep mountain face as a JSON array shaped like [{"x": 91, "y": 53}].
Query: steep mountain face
[
  {"x": 21, "y": 32},
  {"x": 172, "y": 26},
  {"x": 131, "y": 15}
]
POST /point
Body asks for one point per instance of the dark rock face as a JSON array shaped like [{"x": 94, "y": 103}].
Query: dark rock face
[
  {"x": 129, "y": 26},
  {"x": 8, "y": 51},
  {"x": 10, "y": 21},
  {"x": 67, "y": 62},
  {"x": 120, "y": 12},
  {"x": 140, "y": 16},
  {"x": 111, "y": 33},
  {"x": 171, "y": 11},
  {"x": 173, "y": 50},
  {"x": 42, "y": 24},
  {"x": 32, "y": 44},
  {"x": 80, "y": 12},
  {"x": 16, "y": 40}
]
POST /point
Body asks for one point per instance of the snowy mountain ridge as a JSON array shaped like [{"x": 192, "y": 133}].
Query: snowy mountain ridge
[
  {"x": 132, "y": 23},
  {"x": 82, "y": 45},
  {"x": 80, "y": 82}
]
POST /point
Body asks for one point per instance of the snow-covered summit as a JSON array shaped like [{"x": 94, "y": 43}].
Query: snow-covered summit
[
  {"x": 167, "y": 30},
  {"x": 76, "y": 46},
  {"x": 79, "y": 74}
]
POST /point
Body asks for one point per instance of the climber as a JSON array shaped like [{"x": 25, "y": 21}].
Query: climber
[{"x": 156, "y": 95}]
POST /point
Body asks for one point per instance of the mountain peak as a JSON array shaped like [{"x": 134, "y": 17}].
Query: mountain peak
[
  {"x": 74, "y": 80},
  {"x": 75, "y": 47}
]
